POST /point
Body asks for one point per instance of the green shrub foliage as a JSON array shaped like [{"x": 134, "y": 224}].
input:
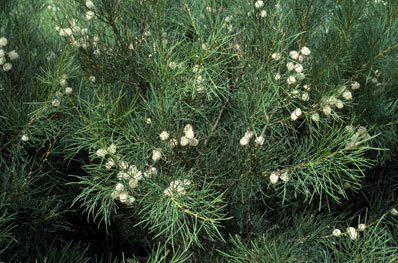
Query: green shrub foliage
[{"x": 198, "y": 131}]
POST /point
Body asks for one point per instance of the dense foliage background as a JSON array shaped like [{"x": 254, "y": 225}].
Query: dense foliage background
[{"x": 198, "y": 131}]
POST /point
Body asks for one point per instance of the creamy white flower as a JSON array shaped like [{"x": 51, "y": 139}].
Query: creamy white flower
[
  {"x": 156, "y": 155},
  {"x": 352, "y": 232},
  {"x": 189, "y": 134},
  {"x": 315, "y": 117},
  {"x": 173, "y": 143},
  {"x": 63, "y": 32},
  {"x": 336, "y": 232},
  {"x": 164, "y": 135},
  {"x": 25, "y": 138},
  {"x": 277, "y": 76},
  {"x": 263, "y": 13},
  {"x": 2, "y": 53},
  {"x": 327, "y": 110},
  {"x": 123, "y": 197},
  {"x": 7, "y": 66},
  {"x": 259, "y": 4},
  {"x": 184, "y": 141},
  {"x": 3, "y": 41},
  {"x": 355, "y": 85},
  {"x": 148, "y": 121},
  {"x": 111, "y": 148},
  {"x": 89, "y": 4},
  {"x": 89, "y": 15},
  {"x": 347, "y": 95},
  {"x": 244, "y": 140},
  {"x": 101, "y": 152},
  {"x": 339, "y": 104},
  {"x": 305, "y": 51},
  {"x": 294, "y": 55},
  {"x": 291, "y": 80},
  {"x": 276, "y": 56},
  {"x": 285, "y": 177},
  {"x": 228, "y": 19},
  {"x": 187, "y": 128},
  {"x": 55, "y": 102},
  {"x": 13, "y": 55},
  {"x": 295, "y": 114},
  {"x": 273, "y": 178},
  {"x": 119, "y": 187},
  {"x": 249, "y": 134},
  {"x": 91, "y": 79},
  {"x": 63, "y": 82},
  {"x": 298, "y": 68},
  {"x": 394, "y": 212},
  {"x": 68, "y": 90},
  {"x": 133, "y": 183},
  {"x": 305, "y": 96},
  {"x": 193, "y": 142},
  {"x": 172, "y": 65},
  {"x": 290, "y": 66},
  {"x": 361, "y": 227},
  {"x": 109, "y": 164},
  {"x": 260, "y": 140},
  {"x": 2, "y": 60}
]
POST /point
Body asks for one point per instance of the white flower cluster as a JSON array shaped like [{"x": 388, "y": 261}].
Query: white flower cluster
[
  {"x": 89, "y": 14},
  {"x": 360, "y": 134},
  {"x": 297, "y": 67},
  {"x": 198, "y": 79},
  {"x": 394, "y": 212},
  {"x": 128, "y": 175},
  {"x": 177, "y": 188},
  {"x": 6, "y": 58},
  {"x": 109, "y": 150},
  {"x": 25, "y": 137},
  {"x": 295, "y": 114},
  {"x": 248, "y": 135},
  {"x": 274, "y": 177},
  {"x": 259, "y": 5},
  {"x": 189, "y": 137},
  {"x": 65, "y": 91},
  {"x": 77, "y": 37},
  {"x": 351, "y": 231}
]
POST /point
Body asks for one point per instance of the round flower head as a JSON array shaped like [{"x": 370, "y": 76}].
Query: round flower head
[
  {"x": 156, "y": 155},
  {"x": 347, "y": 95},
  {"x": 148, "y": 121},
  {"x": 249, "y": 134},
  {"x": 25, "y": 138},
  {"x": 63, "y": 82},
  {"x": 295, "y": 114},
  {"x": 291, "y": 80},
  {"x": 305, "y": 96},
  {"x": 244, "y": 140},
  {"x": 327, "y": 110},
  {"x": 276, "y": 56},
  {"x": 119, "y": 187},
  {"x": 68, "y": 90},
  {"x": 277, "y": 76},
  {"x": 89, "y": 4},
  {"x": 339, "y": 104},
  {"x": 123, "y": 197},
  {"x": 361, "y": 227},
  {"x": 101, "y": 152},
  {"x": 187, "y": 128},
  {"x": 184, "y": 141},
  {"x": 298, "y": 68},
  {"x": 7, "y": 66},
  {"x": 133, "y": 183},
  {"x": 290, "y": 66},
  {"x": 336, "y": 232},
  {"x": 13, "y": 55},
  {"x": 285, "y": 177},
  {"x": 3, "y": 41},
  {"x": 315, "y": 117},
  {"x": 294, "y": 55},
  {"x": 2, "y": 60},
  {"x": 273, "y": 178},
  {"x": 260, "y": 140},
  {"x": 259, "y": 4},
  {"x": 352, "y": 232},
  {"x": 189, "y": 134},
  {"x": 355, "y": 85},
  {"x": 91, "y": 79},
  {"x": 193, "y": 142},
  {"x": 111, "y": 148},
  {"x": 305, "y": 51},
  {"x": 55, "y": 103},
  {"x": 89, "y": 15},
  {"x": 164, "y": 135},
  {"x": 263, "y": 13},
  {"x": 394, "y": 212},
  {"x": 2, "y": 53}
]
